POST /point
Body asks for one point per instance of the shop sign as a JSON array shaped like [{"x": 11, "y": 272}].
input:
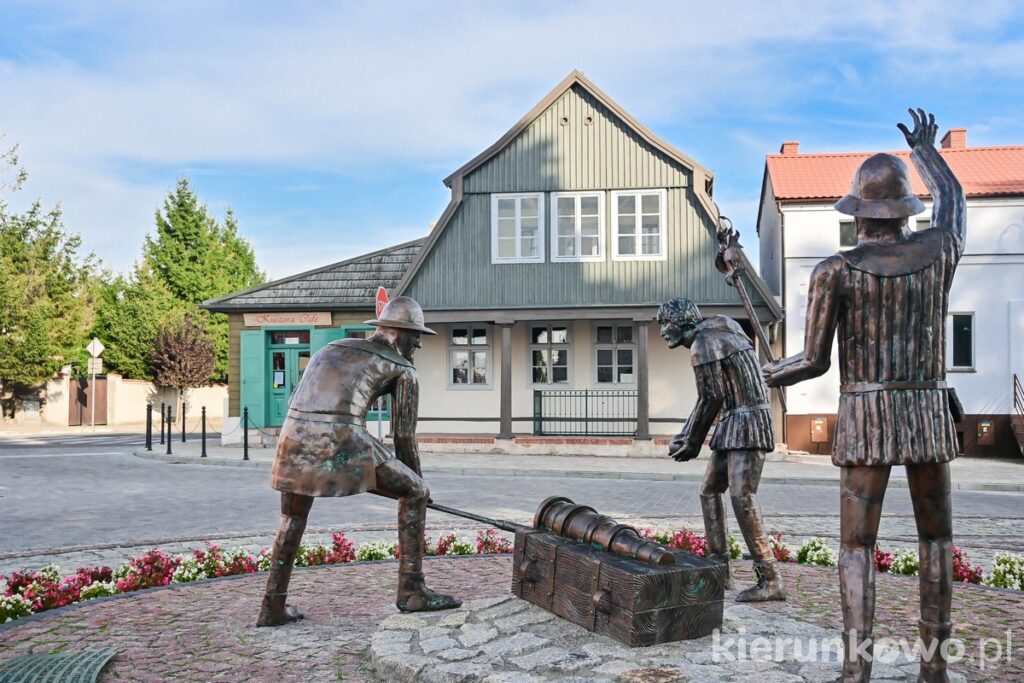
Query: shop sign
[{"x": 285, "y": 318}]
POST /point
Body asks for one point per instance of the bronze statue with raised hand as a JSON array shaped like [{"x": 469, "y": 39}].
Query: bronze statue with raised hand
[
  {"x": 324, "y": 449},
  {"x": 729, "y": 387},
  {"x": 888, "y": 298}
]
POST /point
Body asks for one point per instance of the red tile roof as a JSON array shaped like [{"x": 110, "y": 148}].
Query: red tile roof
[{"x": 983, "y": 172}]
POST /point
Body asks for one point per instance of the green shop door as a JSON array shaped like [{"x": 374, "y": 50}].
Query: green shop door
[{"x": 287, "y": 357}]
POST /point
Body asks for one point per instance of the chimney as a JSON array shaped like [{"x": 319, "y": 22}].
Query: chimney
[
  {"x": 790, "y": 149},
  {"x": 955, "y": 138}
]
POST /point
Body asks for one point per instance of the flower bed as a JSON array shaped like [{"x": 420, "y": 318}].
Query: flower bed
[{"x": 28, "y": 592}]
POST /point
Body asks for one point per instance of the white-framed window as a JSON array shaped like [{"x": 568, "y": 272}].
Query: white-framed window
[
  {"x": 960, "y": 341},
  {"x": 577, "y": 226},
  {"x": 517, "y": 228},
  {"x": 638, "y": 225},
  {"x": 615, "y": 352},
  {"x": 549, "y": 354},
  {"x": 469, "y": 356}
]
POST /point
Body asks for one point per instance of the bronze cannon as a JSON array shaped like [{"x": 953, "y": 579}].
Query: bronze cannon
[{"x": 604, "y": 576}]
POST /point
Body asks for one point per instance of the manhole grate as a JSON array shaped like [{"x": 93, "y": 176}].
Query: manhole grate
[{"x": 73, "y": 667}]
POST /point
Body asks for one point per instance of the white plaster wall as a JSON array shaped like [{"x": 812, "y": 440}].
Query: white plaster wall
[
  {"x": 672, "y": 388},
  {"x": 819, "y": 395},
  {"x": 437, "y": 399},
  {"x": 994, "y": 226},
  {"x": 987, "y": 283},
  {"x": 673, "y": 391}
]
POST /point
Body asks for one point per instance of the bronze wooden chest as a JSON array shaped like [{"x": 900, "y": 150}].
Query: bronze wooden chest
[{"x": 634, "y": 602}]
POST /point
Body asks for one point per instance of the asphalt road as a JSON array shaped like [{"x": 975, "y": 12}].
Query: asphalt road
[{"x": 58, "y": 492}]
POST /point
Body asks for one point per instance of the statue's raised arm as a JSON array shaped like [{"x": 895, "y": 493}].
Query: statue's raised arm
[{"x": 949, "y": 210}]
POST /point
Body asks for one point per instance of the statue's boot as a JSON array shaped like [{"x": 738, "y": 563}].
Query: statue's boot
[
  {"x": 933, "y": 663},
  {"x": 768, "y": 587},
  {"x": 716, "y": 532},
  {"x": 936, "y": 576},
  {"x": 857, "y": 584},
  {"x": 274, "y": 611},
  {"x": 769, "y": 580},
  {"x": 413, "y": 594}
]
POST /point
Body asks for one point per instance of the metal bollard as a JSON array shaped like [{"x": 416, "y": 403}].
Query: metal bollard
[
  {"x": 170, "y": 416},
  {"x": 183, "y": 421},
  {"x": 149, "y": 426},
  {"x": 245, "y": 433},
  {"x": 162, "y": 423},
  {"x": 203, "y": 454}
]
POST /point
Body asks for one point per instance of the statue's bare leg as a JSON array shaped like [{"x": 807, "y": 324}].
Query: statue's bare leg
[
  {"x": 294, "y": 511},
  {"x": 395, "y": 478},
  {"x": 744, "y": 477},
  {"x": 933, "y": 510},
  {"x": 862, "y": 491},
  {"x": 716, "y": 481}
]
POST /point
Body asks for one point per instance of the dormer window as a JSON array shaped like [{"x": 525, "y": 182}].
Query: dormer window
[{"x": 517, "y": 228}]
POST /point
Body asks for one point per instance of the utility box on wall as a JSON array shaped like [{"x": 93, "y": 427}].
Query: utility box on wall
[
  {"x": 986, "y": 433},
  {"x": 819, "y": 430}
]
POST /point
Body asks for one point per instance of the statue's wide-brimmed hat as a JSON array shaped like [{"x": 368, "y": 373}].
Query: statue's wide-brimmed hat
[
  {"x": 881, "y": 189},
  {"x": 403, "y": 313}
]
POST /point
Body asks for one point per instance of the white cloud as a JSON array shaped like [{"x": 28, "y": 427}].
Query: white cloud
[{"x": 348, "y": 87}]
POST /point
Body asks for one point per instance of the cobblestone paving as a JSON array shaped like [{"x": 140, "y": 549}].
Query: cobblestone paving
[
  {"x": 504, "y": 640},
  {"x": 204, "y": 631}
]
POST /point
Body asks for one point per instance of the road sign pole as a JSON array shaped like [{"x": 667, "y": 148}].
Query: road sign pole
[{"x": 92, "y": 401}]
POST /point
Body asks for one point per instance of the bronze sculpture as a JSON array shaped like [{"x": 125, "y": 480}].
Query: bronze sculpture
[
  {"x": 729, "y": 386},
  {"x": 602, "y": 575},
  {"x": 888, "y": 298},
  {"x": 324, "y": 449}
]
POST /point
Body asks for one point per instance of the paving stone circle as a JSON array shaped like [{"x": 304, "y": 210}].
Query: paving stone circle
[{"x": 508, "y": 640}]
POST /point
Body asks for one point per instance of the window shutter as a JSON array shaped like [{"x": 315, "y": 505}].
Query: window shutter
[
  {"x": 253, "y": 373},
  {"x": 320, "y": 337}
]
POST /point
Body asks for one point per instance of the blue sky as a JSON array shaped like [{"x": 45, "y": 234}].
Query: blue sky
[{"x": 329, "y": 126}]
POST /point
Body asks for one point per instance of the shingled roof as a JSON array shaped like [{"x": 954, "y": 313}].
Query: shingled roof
[{"x": 350, "y": 284}]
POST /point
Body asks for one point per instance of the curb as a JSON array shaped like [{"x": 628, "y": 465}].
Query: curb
[{"x": 895, "y": 482}]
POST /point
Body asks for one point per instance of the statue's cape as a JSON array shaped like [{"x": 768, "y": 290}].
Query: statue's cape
[
  {"x": 376, "y": 348},
  {"x": 919, "y": 251},
  {"x": 718, "y": 337}
]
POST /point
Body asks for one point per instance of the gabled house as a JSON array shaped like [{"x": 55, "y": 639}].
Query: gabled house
[
  {"x": 985, "y": 324},
  {"x": 545, "y": 271},
  {"x": 542, "y": 278}
]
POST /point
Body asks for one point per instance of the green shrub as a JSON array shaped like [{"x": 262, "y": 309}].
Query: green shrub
[
  {"x": 378, "y": 550},
  {"x": 905, "y": 563},
  {"x": 735, "y": 549},
  {"x": 13, "y": 607},
  {"x": 816, "y": 552},
  {"x": 100, "y": 589},
  {"x": 1007, "y": 571}
]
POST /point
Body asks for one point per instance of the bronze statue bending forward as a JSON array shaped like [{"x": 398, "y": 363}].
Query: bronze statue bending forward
[
  {"x": 730, "y": 386},
  {"x": 325, "y": 450},
  {"x": 888, "y": 298}
]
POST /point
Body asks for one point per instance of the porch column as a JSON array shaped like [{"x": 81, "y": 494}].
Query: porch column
[
  {"x": 505, "y": 429},
  {"x": 643, "y": 417}
]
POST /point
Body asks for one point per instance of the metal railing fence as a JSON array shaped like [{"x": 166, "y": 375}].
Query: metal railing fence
[{"x": 585, "y": 412}]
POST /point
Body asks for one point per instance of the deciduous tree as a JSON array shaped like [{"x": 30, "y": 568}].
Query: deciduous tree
[{"x": 183, "y": 354}]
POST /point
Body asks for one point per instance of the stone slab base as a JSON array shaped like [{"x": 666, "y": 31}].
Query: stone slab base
[{"x": 508, "y": 640}]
